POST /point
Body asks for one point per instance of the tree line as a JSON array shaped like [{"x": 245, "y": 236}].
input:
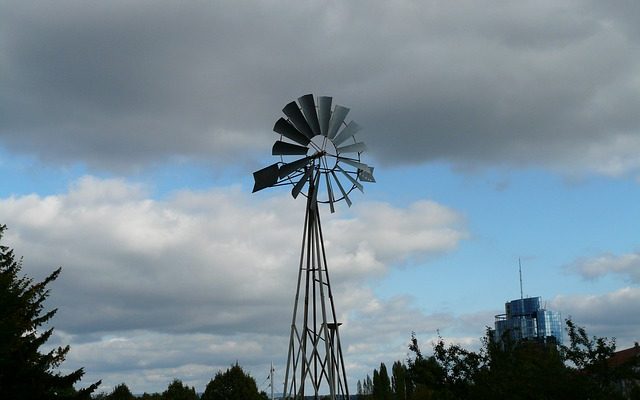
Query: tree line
[
  {"x": 509, "y": 369},
  {"x": 233, "y": 384}
]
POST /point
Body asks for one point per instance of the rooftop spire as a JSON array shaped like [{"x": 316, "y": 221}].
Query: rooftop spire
[{"x": 520, "y": 270}]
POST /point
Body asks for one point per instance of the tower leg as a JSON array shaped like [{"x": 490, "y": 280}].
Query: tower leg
[{"x": 315, "y": 366}]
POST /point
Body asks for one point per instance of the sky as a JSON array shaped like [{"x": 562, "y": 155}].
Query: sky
[{"x": 499, "y": 131}]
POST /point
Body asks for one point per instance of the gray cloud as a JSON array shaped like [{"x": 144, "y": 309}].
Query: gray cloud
[
  {"x": 132, "y": 262},
  {"x": 119, "y": 85},
  {"x": 627, "y": 265},
  {"x": 602, "y": 314},
  {"x": 190, "y": 284}
]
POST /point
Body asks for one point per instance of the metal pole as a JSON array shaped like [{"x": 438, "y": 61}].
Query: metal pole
[{"x": 271, "y": 376}]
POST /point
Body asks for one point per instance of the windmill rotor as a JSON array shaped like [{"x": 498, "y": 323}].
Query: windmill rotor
[{"x": 316, "y": 142}]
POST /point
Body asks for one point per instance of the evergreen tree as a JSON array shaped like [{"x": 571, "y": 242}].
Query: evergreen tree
[
  {"x": 384, "y": 391},
  {"x": 151, "y": 396},
  {"x": 233, "y": 384},
  {"x": 179, "y": 391},
  {"x": 368, "y": 386},
  {"x": 399, "y": 380},
  {"x": 121, "y": 392},
  {"x": 376, "y": 385},
  {"x": 25, "y": 373}
]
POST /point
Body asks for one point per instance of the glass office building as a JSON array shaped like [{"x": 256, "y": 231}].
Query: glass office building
[{"x": 525, "y": 319}]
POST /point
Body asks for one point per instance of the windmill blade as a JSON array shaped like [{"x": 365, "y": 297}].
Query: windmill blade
[
  {"x": 266, "y": 177},
  {"x": 344, "y": 194},
  {"x": 330, "y": 194},
  {"x": 352, "y": 148},
  {"x": 286, "y": 169},
  {"x": 292, "y": 111},
  {"x": 355, "y": 182},
  {"x": 357, "y": 164},
  {"x": 351, "y": 129},
  {"x": 300, "y": 184},
  {"x": 289, "y": 131},
  {"x": 281, "y": 148},
  {"x": 337, "y": 118},
  {"x": 324, "y": 113},
  {"x": 364, "y": 176},
  {"x": 309, "y": 111}
]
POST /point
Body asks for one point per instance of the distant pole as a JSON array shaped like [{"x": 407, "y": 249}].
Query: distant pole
[
  {"x": 271, "y": 376},
  {"x": 520, "y": 269}
]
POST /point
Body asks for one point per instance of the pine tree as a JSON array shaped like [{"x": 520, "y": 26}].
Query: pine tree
[
  {"x": 399, "y": 380},
  {"x": 233, "y": 384},
  {"x": 25, "y": 373},
  {"x": 381, "y": 384},
  {"x": 179, "y": 391},
  {"x": 121, "y": 392},
  {"x": 368, "y": 386}
]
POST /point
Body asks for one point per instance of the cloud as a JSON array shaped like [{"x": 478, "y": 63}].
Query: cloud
[
  {"x": 603, "y": 314},
  {"x": 122, "y": 85},
  {"x": 138, "y": 262},
  {"x": 193, "y": 282},
  {"x": 627, "y": 265}
]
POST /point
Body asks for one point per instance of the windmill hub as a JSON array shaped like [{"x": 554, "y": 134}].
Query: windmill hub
[{"x": 323, "y": 148}]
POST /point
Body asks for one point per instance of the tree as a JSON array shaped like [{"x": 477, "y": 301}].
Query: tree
[
  {"x": 25, "y": 373},
  {"x": 376, "y": 384},
  {"x": 178, "y": 391},
  {"x": 151, "y": 396},
  {"x": 525, "y": 369},
  {"x": 365, "y": 389},
  {"x": 120, "y": 392},
  {"x": 399, "y": 380},
  {"x": 233, "y": 384},
  {"x": 458, "y": 368},
  {"x": 368, "y": 386},
  {"x": 381, "y": 384},
  {"x": 589, "y": 360},
  {"x": 424, "y": 375}
]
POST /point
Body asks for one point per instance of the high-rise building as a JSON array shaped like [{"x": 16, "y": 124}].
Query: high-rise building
[{"x": 525, "y": 319}]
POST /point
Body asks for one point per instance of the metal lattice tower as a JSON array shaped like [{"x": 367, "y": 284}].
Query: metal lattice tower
[{"x": 315, "y": 362}]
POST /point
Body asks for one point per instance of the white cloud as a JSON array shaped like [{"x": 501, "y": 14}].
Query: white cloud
[
  {"x": 153, "y": 287},
  {"x": 603, "y": 314},
  {"x": 627, "y": 265}
]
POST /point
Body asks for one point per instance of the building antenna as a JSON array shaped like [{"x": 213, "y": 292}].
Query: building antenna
[{"x": 520, "y": 270}]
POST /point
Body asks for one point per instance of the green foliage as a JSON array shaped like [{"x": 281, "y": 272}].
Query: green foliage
[
  {"x": 25, "y": 373},
  {"x": 588, "y": 358},
  {"x": 365, "y": 388},
  {"x": 233, "y": 384},
  {"x": 381, "y": 384},
  {"x": 524, "y": 370},
  {"x": 425, "y": 375},
  {"x": 399, "y": 381},
  {"x": 120, "y": 392},
  {"x": 516, "y": 370},
  {"x": 151, "y": 396},
  {"x": 178, "y": 391}
]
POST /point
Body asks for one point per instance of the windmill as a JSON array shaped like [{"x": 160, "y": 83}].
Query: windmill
[{"x": 318, "y": 151}]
